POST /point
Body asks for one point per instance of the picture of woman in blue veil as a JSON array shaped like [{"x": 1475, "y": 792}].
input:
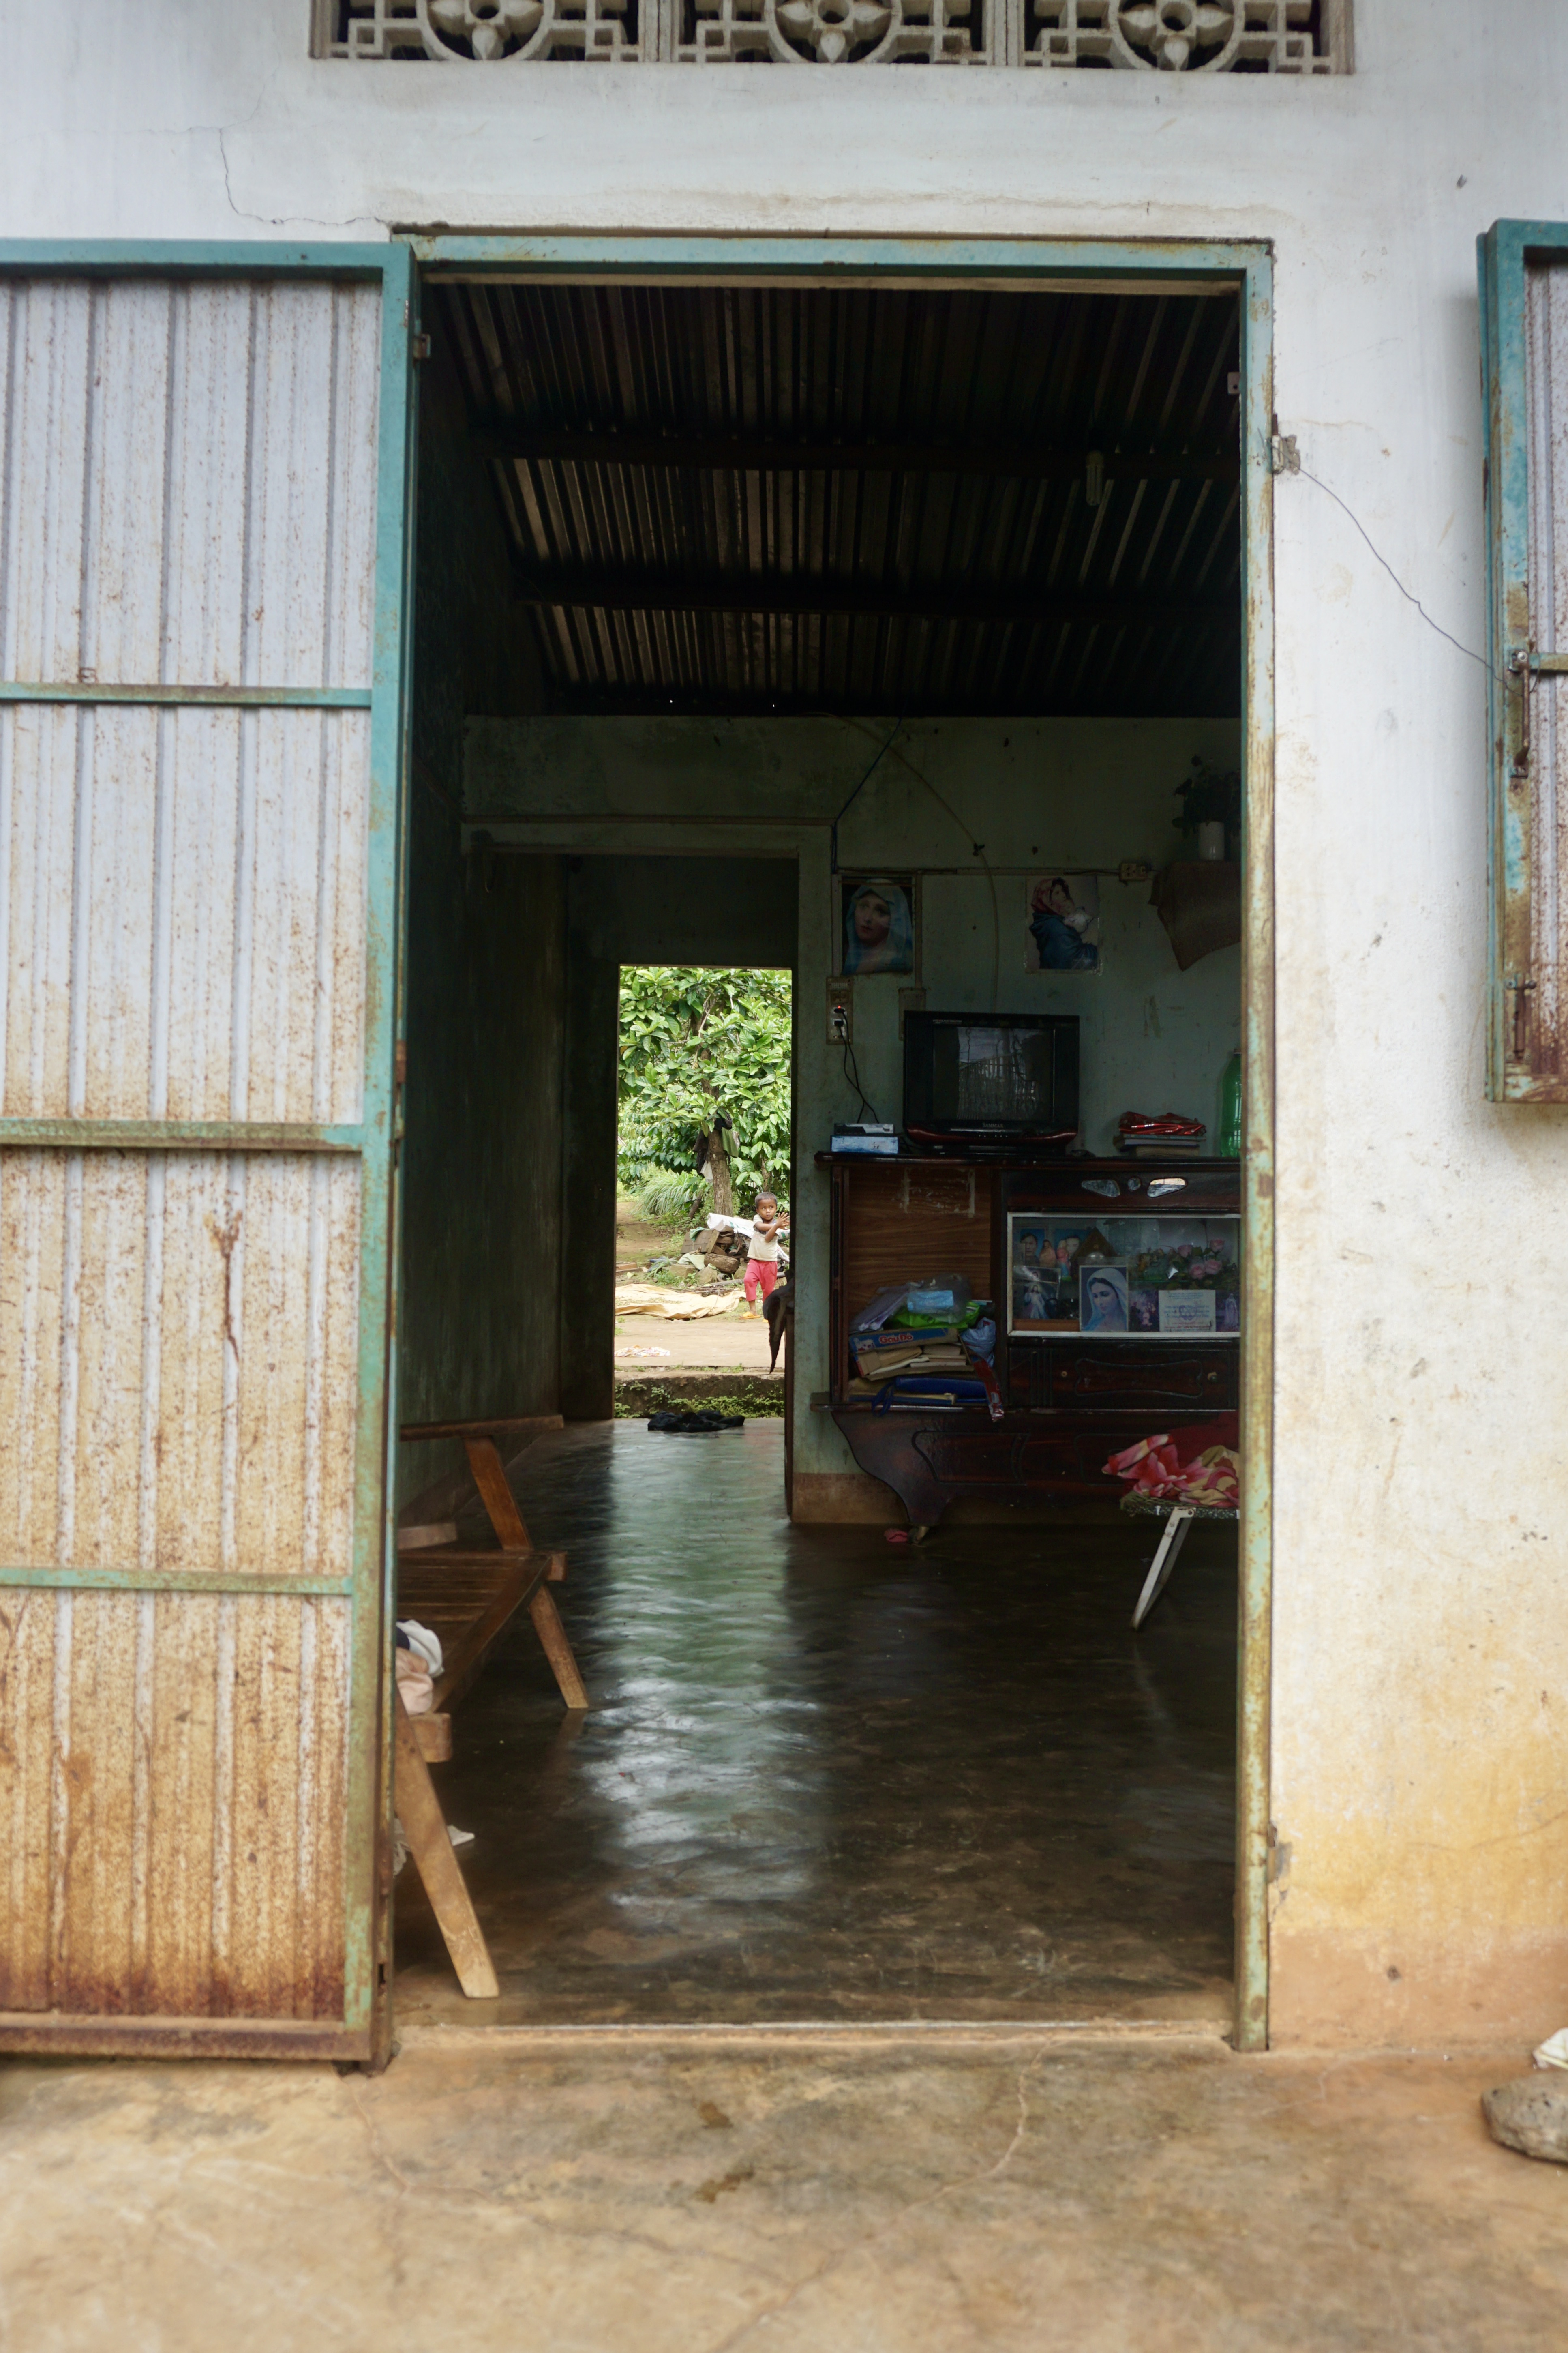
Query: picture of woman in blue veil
[
  {"x": 879, "y": 928},
  {"x": 1058, "y": 924}
]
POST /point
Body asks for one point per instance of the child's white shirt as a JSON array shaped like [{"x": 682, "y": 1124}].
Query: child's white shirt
[{"x": 766, "y": 1248}]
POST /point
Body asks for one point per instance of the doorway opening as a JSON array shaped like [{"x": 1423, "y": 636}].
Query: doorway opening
[
  {"x": 775, "y": 597},
  {"x": 703, "y": 1150}
]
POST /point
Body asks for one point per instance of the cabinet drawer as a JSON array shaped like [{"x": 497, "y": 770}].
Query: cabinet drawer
[{"x": 1057, "y": 1376}]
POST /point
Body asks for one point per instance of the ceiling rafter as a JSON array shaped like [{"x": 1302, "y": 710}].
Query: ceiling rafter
[
  {"x": 716, "y": 453},
  {"x": 659, "y": 592}
]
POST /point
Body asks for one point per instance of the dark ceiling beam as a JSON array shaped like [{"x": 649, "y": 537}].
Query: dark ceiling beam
[
  {"x": 1019, "y": 699},
  {"x": 714, "y": 453},
  {"x": 623, "y": 592}
]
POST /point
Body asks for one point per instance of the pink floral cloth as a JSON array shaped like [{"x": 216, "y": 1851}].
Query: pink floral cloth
[{"x": 1189, "y": 1466}]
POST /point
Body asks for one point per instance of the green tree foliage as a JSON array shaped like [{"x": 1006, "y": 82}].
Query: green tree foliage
[{"x": 696, "y": 1041}]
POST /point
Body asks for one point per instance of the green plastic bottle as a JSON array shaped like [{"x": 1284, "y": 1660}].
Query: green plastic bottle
[{"x": 1230, "y": 1109}]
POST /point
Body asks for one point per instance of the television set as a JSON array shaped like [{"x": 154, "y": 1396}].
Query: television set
[{"x": 1004, "y": 1081}]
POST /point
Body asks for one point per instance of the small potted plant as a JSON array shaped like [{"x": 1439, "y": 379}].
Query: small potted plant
[{"x": 1211, "y": 808}]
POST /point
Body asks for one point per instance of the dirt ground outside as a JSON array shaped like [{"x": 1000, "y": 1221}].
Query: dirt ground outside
[
  {"x": 727, "y": 2193},
  {"x": 646, "y": 1346}
]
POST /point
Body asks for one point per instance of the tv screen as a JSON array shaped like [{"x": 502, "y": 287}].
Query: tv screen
[{"x": 997, "y": 1073}]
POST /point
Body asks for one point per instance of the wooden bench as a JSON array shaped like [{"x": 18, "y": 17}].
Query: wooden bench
[{"x": 469, "y": 1596}]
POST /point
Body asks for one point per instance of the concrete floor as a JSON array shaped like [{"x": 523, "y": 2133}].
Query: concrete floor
[
  {"x": 822, "y": 1778},
  {"x": 577, "y": 2194},
  {"x": 826, "y": 1779}
]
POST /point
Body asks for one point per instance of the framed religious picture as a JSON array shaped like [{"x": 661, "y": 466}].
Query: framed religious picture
[
  {"x": 1146, "y": 1278},
  {"x": 1062, "y": 915},
  {"x": 1102, "y": 1299},
  {"x": 1043, "y": 1273},
  {"x": 876, "y": 925}
]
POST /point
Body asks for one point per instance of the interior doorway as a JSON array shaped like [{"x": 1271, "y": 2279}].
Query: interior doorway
[
  {"x": 704, "y": 1158},
  {"x": 937, "y": 589}
]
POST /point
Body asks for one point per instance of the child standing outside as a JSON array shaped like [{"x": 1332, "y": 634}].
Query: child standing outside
[{"x": 763, "y": 1251}]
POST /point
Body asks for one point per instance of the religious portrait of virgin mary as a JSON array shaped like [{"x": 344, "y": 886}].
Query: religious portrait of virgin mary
[{"x": 878, "y": 927}]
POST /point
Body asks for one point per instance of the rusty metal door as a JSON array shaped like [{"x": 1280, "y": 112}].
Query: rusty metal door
[{"x": 204, "y": 493}]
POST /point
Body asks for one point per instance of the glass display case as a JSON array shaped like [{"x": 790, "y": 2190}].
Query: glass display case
[{"x": 1169, "y": 1277}]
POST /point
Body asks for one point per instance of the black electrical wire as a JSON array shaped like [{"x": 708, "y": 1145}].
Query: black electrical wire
[
  {"x": 864, "y": 781},
  {"x": 1408, "y": 594},
  {"x": 977, "y": 849},
  {"x": 852, "y": 1076}
]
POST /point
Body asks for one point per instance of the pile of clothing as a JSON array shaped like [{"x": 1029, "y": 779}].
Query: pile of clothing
[
  {"x": 699, "y": 1421},
  {"x": 418, "y": 1663},
  {"x": 1192, "y": 1466}
]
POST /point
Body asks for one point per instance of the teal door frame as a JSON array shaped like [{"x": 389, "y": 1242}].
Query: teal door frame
[
  {"x": 1019, "y": 265},
  {"x": 364, "y": 2030}
]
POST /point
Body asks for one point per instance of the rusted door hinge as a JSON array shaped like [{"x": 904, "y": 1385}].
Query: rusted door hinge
[{"x": 1284, "y": 457}]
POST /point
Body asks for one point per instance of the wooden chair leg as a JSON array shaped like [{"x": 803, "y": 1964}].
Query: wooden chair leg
[
  {"x": 1164, "y": 1562},
  {"x": 557, "y": 1649},
  {"x": 489, "y": 1478},
  {"x": 424, "y": 1831}
]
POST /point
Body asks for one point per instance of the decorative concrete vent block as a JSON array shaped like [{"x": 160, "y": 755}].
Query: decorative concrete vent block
[
  {"x": 1275, "y": 36},
  {"x": 1293, "y": 36},
  {"x": 476, "y": 32}
]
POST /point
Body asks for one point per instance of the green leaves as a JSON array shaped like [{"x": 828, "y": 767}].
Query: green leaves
[
  {"x": 1210, "y": 794},
  {"x": 696, "y": 1041}
]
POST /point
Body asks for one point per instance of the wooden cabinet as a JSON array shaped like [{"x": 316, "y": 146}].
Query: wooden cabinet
[{"x": 1069, "y": 1400}]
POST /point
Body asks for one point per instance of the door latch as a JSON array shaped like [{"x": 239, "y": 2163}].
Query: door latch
[
  {"x": 1522, "y": 990},
  {"x": 1522, "y": 661}
]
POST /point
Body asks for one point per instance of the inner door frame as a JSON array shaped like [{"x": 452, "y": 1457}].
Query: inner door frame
[{"x": 1015, "y": 265}]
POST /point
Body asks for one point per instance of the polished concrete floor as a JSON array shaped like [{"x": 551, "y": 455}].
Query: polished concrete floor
[
  {"x": 827, "y": 1779},
  {"x": 572, "y": 2193}
]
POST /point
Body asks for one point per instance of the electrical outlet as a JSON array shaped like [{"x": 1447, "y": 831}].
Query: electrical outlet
[{"x": 840, "y": 1013}]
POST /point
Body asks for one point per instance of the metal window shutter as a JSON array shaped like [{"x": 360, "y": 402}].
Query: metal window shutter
[
  {"x": 203, "y": 459},
  {"x": 1524, "y": 358}
]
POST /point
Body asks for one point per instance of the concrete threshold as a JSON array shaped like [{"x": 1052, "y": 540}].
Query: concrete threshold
[{"x": 810, "y": 2033}]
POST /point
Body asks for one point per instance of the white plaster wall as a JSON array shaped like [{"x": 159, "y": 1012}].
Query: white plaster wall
[{"x": 1420, "y": 1754}]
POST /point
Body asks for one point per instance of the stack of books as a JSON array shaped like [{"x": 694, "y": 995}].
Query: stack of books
[
  {"x": 1165, "y": 1138},
  {"x": 886, "y": 1355}
]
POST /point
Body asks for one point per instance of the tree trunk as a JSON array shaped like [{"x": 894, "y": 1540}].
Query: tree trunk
[
  {"x": 719, "y": 1163},
  {"x": 717, "y": 1150}
]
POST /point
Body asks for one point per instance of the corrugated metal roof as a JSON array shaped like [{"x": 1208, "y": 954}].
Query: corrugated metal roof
[{"x": 865, "y": 499}]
